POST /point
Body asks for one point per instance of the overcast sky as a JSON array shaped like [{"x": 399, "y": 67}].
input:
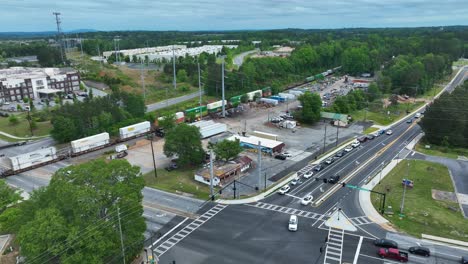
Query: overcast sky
[{"x": 36, "y": 15}]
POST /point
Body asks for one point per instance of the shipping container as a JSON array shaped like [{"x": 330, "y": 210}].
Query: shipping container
[
  {"x": 33, "y": 158},
  {"x": 197, "y": 111},
  {"x": 266, "y": 92},
  {"x": 319, "y": 77},
  {"x": 296, "y": 93},
  {"x": 278, "y": 98},
  {"x": 180, "y": 117},
  {"x": 288, "y": 96},
  {"x": 89, "y": 143},
  {"x": 261, "y": 134},
  {"x": 269, "y": 101},
  {"x": 134, "y": 130},
  {"x": 235, "y": 100},
  {"x": 212, "y": 130},
  {"x": 216, "y": 106},
  {"x": 310, "y": 79},
  {"x": 253, "y": 94}
]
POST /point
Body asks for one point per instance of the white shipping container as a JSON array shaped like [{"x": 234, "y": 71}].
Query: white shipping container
[
  {"x": 179, "y": 115},
  {"x": 212, "y": 130},
  {"x": 269, "y": 101},
  {"x": 265, "y": 135},
  {"x": 203, "y": 123},
  {"x": 296, "y": 93},
  {"x": 32, "y": 158},
  {"x": 91, "y": 142},
  {"x": 251, "y": 95},
  {"x": 216, "y": 104},
  {"x": 133, "y": 130},
  {"x": 288, "y": 96}
]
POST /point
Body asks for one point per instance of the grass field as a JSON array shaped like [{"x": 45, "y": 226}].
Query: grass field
[
  {"x": 381, "y": 117},
  {"x": 22, "y": 128},
  {"x": 435, "y": 150},
  {"x": 422, "y": 214},
  {"x": 180, "y": 180},
  {"x": 370, "y": 130}
]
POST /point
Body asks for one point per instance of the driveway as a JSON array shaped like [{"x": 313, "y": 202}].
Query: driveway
[
  {"x": 239, "y": 59},
  {"x": 459, "y": 173}
]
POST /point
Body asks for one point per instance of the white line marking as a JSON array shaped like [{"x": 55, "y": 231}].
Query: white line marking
[
  {"x": 358, "y": 250},
  {"x": 167, "y": 233}
]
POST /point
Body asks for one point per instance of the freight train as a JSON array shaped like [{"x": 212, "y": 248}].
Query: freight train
[{"x": 41, "y": 157}]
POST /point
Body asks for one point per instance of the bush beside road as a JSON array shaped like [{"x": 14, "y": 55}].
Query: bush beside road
[{"x": 422, "y": 213}]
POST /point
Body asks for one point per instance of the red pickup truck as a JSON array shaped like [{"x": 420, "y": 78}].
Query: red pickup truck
[{"x": 393, "y": 253}]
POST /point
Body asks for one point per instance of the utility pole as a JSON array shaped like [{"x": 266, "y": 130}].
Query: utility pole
[
  {"x": 143, "y": 81},
  {"x": 337, "y": 132},
  {"x": 324, "y": 138},
  {"x": 211, "y": 175},
  {"x": 173, "y": 68},
  {"x": 58, "y": 21},
  {"x": 404, "y": 190},
  {"x": 222, "y": 91},
  {"x": 150, "y": 137},
  {"x": 259, "y": 164},
  {"x": 30, "y": 122},
  {"x": 199, "y": 83},
  {"x": 121, "y": 237}
]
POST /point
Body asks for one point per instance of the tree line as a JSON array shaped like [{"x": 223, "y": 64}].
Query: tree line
[
  {"x": 97, "y": 115},
  {"x": 445, "y": 121}
]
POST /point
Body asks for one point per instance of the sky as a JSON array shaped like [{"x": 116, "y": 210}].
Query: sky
[{"x": 36, "y": 15}]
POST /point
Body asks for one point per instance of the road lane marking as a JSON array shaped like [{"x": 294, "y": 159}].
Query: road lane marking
[
  {"x": 356, "y": 256},
  {"x": 286, "y": 210},
  {"x": 385, "y": 260},
  {"x": 167, "y": 233}
]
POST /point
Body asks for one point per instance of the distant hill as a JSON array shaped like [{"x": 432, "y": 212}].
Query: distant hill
[{"x": 41, "y": 34}]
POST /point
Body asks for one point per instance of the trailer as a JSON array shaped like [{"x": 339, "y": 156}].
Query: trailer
[
  {"x": 269, "y": 101},
  {"x": 278, "y": 98},
  {"x": 210, "y": 128},
  {"x": 251, "y": 95},
  {"x": 33, "y": 158},
  {"x": 235, "y": 100},
  {"x": 296, "y": 92},
  {"x": 180, "y": 117},
  {"x": 216, "y": 106},
  {"x": 287, "y": 96},
  {"x": 269, "y": 136},
  {"x": 134, "y": 130},
  {"x": 91, "y": 143}
]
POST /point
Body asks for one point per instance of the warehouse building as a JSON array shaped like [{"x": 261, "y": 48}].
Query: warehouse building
[
  {"x": 267, "y": 145},
  {"x": 17, "y": 83}
]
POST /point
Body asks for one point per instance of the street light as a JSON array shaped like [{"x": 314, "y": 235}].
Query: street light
[
  {"x": 404, "y": 190},
  {"x": 150, "y": 137}
]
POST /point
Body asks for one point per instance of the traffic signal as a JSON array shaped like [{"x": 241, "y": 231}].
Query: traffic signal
[{"x": 343, "y": 184}]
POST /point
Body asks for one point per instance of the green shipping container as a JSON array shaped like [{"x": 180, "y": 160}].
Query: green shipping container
[
  {"x": 197, "y": 110},
  {"x": 319, "y": 76},
  {"x": 309, "y": 79}
]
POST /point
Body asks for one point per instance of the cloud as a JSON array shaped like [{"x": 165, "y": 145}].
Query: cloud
[{"x": 34, "y": 15}]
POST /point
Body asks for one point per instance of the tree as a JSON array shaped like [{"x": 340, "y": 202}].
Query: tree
[
  {"x": 76, "y": 218},
  {"x": 227, "y": 149},
  {"x": 8, "y": 196},
  {"x": 185, "y": 142},
  {"x": 13, "y": 120},
  {"x": 311, "y": 107},
  {"x": 63, "y": 130},
  {"x": 167, "y": 122},
  {"x": 182, "y": 75},
  {"x": 32, "y": 107}
]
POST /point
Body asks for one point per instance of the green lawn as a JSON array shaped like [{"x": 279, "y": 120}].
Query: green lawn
[
  {"x": 179, "y": 180},
  {"x": 22, "y": 128},
  {"x": 370, "y": 130},
  {"x": 381, "y": 116},
  {"x": 435, "y": 150},
  {"x": 422, "y": 214}
]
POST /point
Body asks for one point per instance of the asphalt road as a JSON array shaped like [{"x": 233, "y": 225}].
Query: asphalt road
[{"x": 239, "y": 59}]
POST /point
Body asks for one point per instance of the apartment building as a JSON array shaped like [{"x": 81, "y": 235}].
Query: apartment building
[{"x": 17, "y": 83}]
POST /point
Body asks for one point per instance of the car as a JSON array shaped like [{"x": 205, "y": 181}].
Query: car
[
  {"x": 370, "y": 137},
  {"x": 376, "y": 134},
  {"x": 417, "y": 115},
  {"x": 308, "y": 174},
  {"x": 393, "y": 253},
  {"x": 385, "y": 243},
  {"x": 464, "y": 260},
  {"x": 355, "y": 144},
  {"x": 69, "y": 96},
  {"x": 389, "y": 132},
  {"x": 292, "y": 225},
  {"x": 287, "y": 154},
  {"x": 280, "y": 157},
  {"x": 284, "y": 189},
  {"x": 171, "y": 166},
  {"x": 307, "y": 199},
  {"x": 409, "y": 121},
  {"x": 362, "y": 139},
  {"x": 348, "y": 148},
  {"x": 6, "y": 103},
  {"x": 334, "y": 179},
  {"x": 329, "y": 161},
  {"x": 12, "y": 109},
  {"x": 339, "y": 154},
  {"x": 294, "y": 181},
  {"x": 422, "y": 251},
  {"x": 318, "y": 167}
]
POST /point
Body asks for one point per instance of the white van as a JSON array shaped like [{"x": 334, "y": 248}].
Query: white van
[{"x": 292, "y": 223}]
